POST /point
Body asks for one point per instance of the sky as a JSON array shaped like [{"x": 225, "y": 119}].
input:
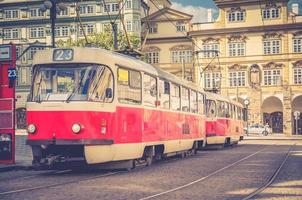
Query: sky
[{"x": 198, "y": 8}]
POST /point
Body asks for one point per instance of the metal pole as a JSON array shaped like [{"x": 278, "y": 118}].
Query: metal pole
[
  {"x": 296, "y": 117},
  {"x": 183, "y": 68},
  {"x": 53, "y": 15},
  {"x": 115, "y": 42}
]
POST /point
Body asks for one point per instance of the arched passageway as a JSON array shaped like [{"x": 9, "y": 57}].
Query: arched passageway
[{"x": 272, "y": 109}]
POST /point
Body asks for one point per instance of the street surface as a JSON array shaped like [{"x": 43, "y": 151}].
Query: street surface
[{"x": 231, "y": 173}]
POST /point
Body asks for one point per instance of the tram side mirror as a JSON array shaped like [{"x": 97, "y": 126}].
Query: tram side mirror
[{"x": 109, "y": 93}]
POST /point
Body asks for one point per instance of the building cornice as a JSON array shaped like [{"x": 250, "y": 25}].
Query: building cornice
[
  {"x": 59, "y": 20},
  {"x": 252, "y": 29},
  {"x": 232, "y": 3},
  {"x": 167, "y": 40}
]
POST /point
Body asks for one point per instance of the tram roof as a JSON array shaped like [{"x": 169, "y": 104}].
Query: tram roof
[{"x": 97, "y": 55}]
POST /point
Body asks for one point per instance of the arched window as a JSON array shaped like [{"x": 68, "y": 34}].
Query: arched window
[
  {"x": 152, "y": 54},
  {"x": 236, "y": 15}
]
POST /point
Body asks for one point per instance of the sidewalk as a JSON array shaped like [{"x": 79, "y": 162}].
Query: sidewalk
[
  {"x": 272, "y": 137},
  {"x": 23, "y": 153}
]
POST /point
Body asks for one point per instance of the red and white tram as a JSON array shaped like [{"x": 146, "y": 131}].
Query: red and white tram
[
  {"x": 225, "y": 120},
  {"x": 101, "y": 106}
]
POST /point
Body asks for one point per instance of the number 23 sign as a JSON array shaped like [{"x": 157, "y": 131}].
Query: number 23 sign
[{"x": 12, "y": 74}]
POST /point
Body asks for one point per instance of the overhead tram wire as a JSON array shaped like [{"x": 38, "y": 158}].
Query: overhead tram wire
[
  {"x": 189, "y": 37},
  {"x": 80, "y": 21}
]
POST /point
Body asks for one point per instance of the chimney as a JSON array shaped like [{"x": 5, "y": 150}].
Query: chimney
[
  {"x": 209, "y": 15},
  {"x": 295, "y": 8}
]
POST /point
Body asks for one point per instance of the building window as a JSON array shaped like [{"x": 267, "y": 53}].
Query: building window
[
  {"x": 128, "y": 4},
  {"x": 180, "y": 27},
  {"x": 180, "y": 56},
  {"x": 271, "y": 47},
  {"x": 297, "y": 45},
  {"x": 212, "y": 80},
  {"x": 36, "y": 12},
  {"x": 236, "y": 16},
  {"x": 153, "y": 28},
  {"x": 62, "y": 31},
  {"x": 24, "y": 76},
  {"x": 111, "y": 7},
  {"x": 236, "y": 49},
  {"x": 86, "y": 9},
  {"x": 36, "y": 32},
  {"x": 63, "y": 12},
  {"x": 298, "y": 76},
  {"x": 237, "y": 79},
  {"x": 152, "y": 57},
  {"x": 271, "y": 13},
  {"x": 33, "y": 51},
  {"x": 272, "y": 77},
  {"x": 129, "y": 26},
  {"x": 11, "y": 33},
  {"x": 11, "y": 14},
  {"x": 88, "y": 28},
  {"x": 210, "y": 50},
  {"x": 136, "y": 4}
]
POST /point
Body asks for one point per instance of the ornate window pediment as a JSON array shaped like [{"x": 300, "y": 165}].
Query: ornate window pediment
[
  {"x": 297, "y": 34},
  {"x": 237, "y": 67},
  {"x": 237, "y": 38},
  {"x": 236, "y": 9},
  {"x": 152, "y": 49},
  {"x": 213, "y": 68},
  {"x": 181, "y": 47},
  {"x": 210, "y": 40},
  {"x": 272, "y": 65},
  {"x": 272, "y": 5},
  {"x": 297, "y": 64},
  {"x": 272, "y": 36}
]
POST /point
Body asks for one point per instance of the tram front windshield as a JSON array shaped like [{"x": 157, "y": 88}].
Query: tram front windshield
[{"x": 72, "y": 82}]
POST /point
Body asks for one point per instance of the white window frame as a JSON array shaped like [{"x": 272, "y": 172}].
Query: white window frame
[
  {"x": 211, "y": 47},
  {"x": 86, "y": 9},
  {"x": 237, "y": 79},
  {"x": 271, "y": 13},
  {"x": 272, "y": 47},
  {"x": 36, "y": 13},
  {"x": 153, "y": 28},
  {"x": 128, "y": 4},
  {"x": 297, "y": 76},
  {"x": 236, "y": 49},
  {"x": 64, "y": 12},
  {"x": 178, "y": 56},
  {"x": 129, "y": 26},
  {"x": 297, "y": 45},
  {"x": 153, "y": 57},
  {"x": 210, "y": 80},
  {"x": 11, "y": 33},
  {"x": 32, "y": 51},
  {"x": 272, "y": 77},
  {"x": 36, "y": 32},
  {"x": 62, "y": 31},
  {"x": 180, "y": 27},
  {"x": 236, "y": 16},
  {"x": 11, "y": 14}
]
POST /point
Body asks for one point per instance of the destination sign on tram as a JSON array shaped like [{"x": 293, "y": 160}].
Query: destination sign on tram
[{"x": 63, "y": 55}]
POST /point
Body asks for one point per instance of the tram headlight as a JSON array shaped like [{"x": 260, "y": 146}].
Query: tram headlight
[
  {"x": 76, "y": 128},
  {"x": 31, "y": 128}
]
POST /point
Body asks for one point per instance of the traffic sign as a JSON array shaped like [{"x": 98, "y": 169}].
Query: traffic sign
[{"x": 297, "y": 113}]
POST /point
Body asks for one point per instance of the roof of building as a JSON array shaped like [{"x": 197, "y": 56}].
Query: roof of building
[{"x": 181, "y": 15}]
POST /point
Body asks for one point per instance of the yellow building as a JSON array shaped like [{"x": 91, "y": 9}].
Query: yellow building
[
  {"x": 167, "y": 44},
  {"x": 260, "y": 59}
]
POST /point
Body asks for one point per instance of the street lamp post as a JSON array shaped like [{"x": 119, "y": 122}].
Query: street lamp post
[{"x": 53, "y": 7}]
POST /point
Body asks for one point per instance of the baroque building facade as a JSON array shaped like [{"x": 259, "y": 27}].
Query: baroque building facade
[
  {"x": 260, "y": 59},
  {"x": 24, "y": 24}
]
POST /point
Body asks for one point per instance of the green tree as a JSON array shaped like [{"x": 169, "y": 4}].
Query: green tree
[{"x": 103, "y": 40}]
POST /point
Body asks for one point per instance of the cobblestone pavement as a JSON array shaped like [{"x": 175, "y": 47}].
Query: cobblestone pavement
[{"x": 234, "y": 182}]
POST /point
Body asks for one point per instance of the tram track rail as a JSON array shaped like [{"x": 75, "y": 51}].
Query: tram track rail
[
  {"x": 272, "y": 177},
  {"x": 58, "y": 184},
  {"x": 203, "y": 178}
]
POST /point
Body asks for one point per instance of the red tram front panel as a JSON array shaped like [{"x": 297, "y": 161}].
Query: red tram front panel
[{"x": 7, "y": 103}]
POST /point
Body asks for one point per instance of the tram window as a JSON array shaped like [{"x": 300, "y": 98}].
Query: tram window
[
  {"x": 193, "y": 102},
  {"x": 239, "y": 111},
  {"x": 175, "y": 97},
  {"x": 185, "y": 104},
  {"x": 101, "y": 85},
  {"x": 221, "y": 109},
  {"x": 69, "y": 82},
  {"x": 150, "y": 91},
  {"x": 200, "y": 103},
  {"x": 129, "y": 88},
  {"x": 234, "y": 112},
  {"x": 164, "y": 94},
  {"x": 210, "y": 108}
]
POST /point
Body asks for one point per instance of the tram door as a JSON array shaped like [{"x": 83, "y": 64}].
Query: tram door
[{"x": 7, "y": 103}]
